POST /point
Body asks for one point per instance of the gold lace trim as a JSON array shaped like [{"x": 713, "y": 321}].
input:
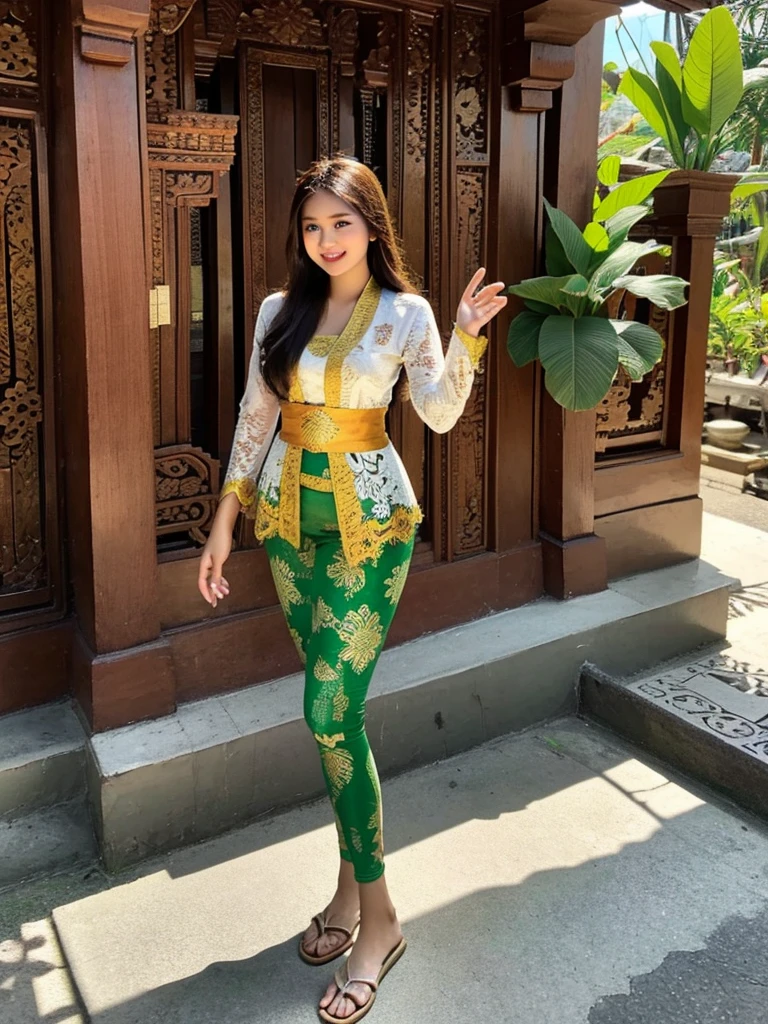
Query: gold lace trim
[
  {"x": 245, "y": 490},
  {"x": 316, "y": 483},
  {"x": 476, "y": 346},
  {"x": 322, "y": 344},
  {"x": 362, "y": 541},
  {"x": 290, "y": 525},
  {"x": 359, "y": 322}
]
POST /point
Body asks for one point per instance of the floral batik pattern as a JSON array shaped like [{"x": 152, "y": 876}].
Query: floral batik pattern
[{"x": 342, "y": 619}]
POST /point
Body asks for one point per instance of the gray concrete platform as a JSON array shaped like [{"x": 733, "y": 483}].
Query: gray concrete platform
[
  {"x": 42, "y": 758},
  {"x": 554, "y": 876},
  {"x": 707, "y": 712},
  {"x": 217, "y": 763}
]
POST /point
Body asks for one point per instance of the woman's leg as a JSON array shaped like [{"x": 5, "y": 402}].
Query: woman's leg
[
  {"x": 292, "y": 572},
  {"x": 353, "y": 607}
]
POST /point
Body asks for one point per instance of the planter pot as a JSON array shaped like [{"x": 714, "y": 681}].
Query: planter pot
[{"x": 729, "y": 434}]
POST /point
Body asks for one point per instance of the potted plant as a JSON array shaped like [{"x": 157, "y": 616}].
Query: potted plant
[
  {"x": 690, "y": 103},
  {"x": 565, "y": 323}
]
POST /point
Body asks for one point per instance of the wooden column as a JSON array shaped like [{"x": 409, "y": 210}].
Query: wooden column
[
  {"x": 574, "y": 557},
  {"x": 121, "y": 670},
  {"x": 553, "y": 74}
]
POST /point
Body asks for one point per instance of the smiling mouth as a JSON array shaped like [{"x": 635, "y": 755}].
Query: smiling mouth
[{"x": 333, "y": 257}]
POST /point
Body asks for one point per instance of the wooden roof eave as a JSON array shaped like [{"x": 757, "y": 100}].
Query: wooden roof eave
[{"x": 564, "y": 22}]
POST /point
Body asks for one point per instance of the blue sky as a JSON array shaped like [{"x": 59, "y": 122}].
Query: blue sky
[{"x": 645, "y": 23}]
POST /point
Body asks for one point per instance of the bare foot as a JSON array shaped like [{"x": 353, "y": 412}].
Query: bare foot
[
  {"x": 340, "y": 911},
  {"x": 372, "y": 945}
]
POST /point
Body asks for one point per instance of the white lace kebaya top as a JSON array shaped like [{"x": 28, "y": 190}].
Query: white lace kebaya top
[{"x": 357, "y": 369}]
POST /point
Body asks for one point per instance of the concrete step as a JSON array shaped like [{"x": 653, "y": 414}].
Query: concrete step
[
  {"x": 45, "y": 823},
  {"x": 706, "y": 715},
  {"x": 44, "y": 841},
  {"x": 42, "y": 759},
  {"x": 219, "y": 763}
]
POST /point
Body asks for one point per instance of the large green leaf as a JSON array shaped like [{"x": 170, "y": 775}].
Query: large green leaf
[
  {"x": 749, "y": 184},
  {"x": 619, "y": 225},
  {"x": 629, "y": 193},
  {"x": 599, "y": 241},
  {"x": 640, "y": 347},
  {"x": 577, "y": 251},
  {"x": 669, "y": 78},
  {"x": 618, "y": 263},
  {"x": 608, "y": 170},
  {"x": 580, "y": 358},
  {"x": 641, "y": 90},
  {"x": 664, "y": 290},
  {"x": 542, "y": 308},
  {"x": 542, "y": 289},
  {"x": 713, "y": 72},
  {"x": 523, "y": 337},
  {"x": 555, "y": 259}
]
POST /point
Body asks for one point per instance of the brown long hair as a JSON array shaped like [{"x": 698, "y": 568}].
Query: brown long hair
[{"x": 307, "y": 285}]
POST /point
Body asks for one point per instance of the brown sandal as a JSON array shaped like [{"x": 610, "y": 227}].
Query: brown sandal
[
  {"x": 322, "y": 928},
  {"x": 343, "y": 984}
]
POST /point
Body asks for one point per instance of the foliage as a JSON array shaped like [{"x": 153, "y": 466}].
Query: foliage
[
  {"x": 737, "y": 323},
  {"x": 690, "y": 104},
  {"x": 748, "y": 127},
  {"x": 565, "y": 323}
]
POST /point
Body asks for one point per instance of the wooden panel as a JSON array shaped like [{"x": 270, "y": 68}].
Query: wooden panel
[
  {"x": 34, "y": 666},
  {"x": 644, "y": 539},
  {"x": 266, "y": 88},
  {"x": 467, "y": 516},
  {"x": 515, "y": 196}
]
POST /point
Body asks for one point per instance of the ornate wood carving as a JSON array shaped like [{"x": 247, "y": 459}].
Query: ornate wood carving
[
  {"x": 633, "y": 411},
  {"x": 283, "y": 23},
  {"x": 24, "y": 566},
  {"x": 188, "y": 153},
  {"x": 107, "y": 29},
  {"x": 19, "y": 32},
  {"x": 187, "y": 486},
  {"x": 471, "y": 58}
]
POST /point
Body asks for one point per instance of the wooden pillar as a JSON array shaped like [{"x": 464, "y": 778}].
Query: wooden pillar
[
  {"x": 554, "y": 75},
  {"x": 574, "y": 557},
  {"x": 121, "y": 670}
]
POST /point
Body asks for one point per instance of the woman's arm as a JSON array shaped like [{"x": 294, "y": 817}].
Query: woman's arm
[
  {"x": 259, "y": 410},
  {"x": 440, "y": 383}
]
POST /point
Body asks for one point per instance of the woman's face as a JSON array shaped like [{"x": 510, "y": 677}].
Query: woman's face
[{"x": 335, "y": 236}]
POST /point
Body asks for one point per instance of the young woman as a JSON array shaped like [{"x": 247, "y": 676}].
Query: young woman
[{"x": 336, "y": 511}]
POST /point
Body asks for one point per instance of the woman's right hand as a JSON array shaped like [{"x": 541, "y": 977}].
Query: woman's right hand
[{"x": 210, "y": 582}]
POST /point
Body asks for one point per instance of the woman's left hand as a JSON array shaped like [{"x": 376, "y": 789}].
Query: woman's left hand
[{"x": 476, "y": 310}]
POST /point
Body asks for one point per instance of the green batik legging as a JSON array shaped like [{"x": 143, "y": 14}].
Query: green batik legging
[{"x": 338, "y": 616}]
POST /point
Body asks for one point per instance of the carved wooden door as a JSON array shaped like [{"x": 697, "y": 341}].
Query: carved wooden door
[{"x": 30, "y": 557}]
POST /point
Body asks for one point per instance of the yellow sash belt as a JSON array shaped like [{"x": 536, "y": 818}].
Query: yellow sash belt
[{"x": 323, "y": 428}]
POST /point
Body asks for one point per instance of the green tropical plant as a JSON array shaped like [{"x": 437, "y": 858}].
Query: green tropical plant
[
  {"x": 689, "y": 104},
  {"x": 737, "y": 323},
  {"x": 565, "y": 323}
]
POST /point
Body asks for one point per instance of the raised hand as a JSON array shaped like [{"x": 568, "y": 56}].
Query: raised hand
[{"x": 475, "y": 311}]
